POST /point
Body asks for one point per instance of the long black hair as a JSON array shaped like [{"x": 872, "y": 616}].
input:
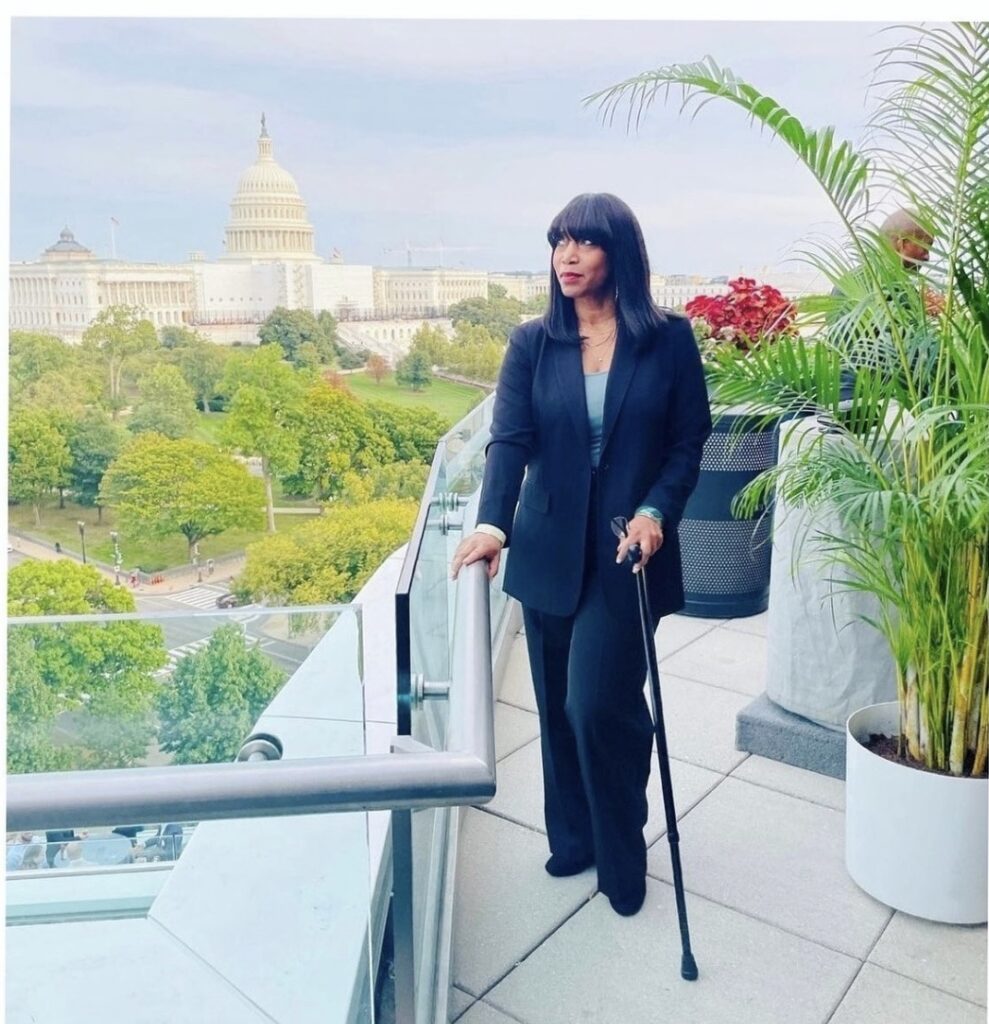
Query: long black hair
[{"x": 606, "y": 221}]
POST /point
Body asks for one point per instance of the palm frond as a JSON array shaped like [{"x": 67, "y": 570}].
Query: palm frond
[{"x": 838, "y": 167}]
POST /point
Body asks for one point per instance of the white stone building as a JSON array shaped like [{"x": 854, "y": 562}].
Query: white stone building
[
  {"x": 523, "y": 286},
  {"x": 674, "y": 291},
  {"x": 66, "y": 289},
  {"x": 424, "y": 291}
]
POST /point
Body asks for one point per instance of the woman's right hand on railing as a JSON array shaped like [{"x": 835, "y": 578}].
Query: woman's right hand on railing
[{"x": 475, "y": 547}]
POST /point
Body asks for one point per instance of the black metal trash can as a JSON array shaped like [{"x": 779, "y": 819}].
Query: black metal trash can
[{"x": 726, "y": 560}]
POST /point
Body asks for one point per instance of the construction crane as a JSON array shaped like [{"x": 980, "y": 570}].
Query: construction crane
[{"x": 409, "y": 249}]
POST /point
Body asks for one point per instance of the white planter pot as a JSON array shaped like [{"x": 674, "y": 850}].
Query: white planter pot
[
  {"x": 824, "y": 660},
  {"x": 914, "y": 840}
]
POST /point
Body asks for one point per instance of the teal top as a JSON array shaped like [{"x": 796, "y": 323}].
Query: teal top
[{"x": 594, "y": 387}]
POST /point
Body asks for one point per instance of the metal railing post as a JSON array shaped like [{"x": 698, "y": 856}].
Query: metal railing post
[{"x": 403, "y": 924}]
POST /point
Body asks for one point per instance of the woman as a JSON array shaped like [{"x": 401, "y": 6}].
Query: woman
[{"x": 601, "y": 405}]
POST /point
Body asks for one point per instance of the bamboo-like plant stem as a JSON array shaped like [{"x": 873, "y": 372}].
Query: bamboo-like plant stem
[
  {"x": 965, "y": 679},
  {"x": 912, "y": 711},
  {"x": 982, "y": 748}
]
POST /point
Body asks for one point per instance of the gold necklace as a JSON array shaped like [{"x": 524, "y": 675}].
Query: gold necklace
[{"x": 586, "y": 346}]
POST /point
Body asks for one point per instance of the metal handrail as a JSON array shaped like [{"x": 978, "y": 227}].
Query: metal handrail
[
  {"x": 234, "y": 614},
  {"x": 411, "y": 776}
]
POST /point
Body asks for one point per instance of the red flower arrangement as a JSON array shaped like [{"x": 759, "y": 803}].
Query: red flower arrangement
[{"x": 747, "y": 315}]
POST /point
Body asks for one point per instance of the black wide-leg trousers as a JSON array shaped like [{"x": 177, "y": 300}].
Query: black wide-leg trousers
[{"x": 588, "y": 671}]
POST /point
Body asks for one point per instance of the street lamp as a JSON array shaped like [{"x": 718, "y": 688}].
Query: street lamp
[
  {"x": 82, "y": 538},
  {"x": 117, "y": 560}
]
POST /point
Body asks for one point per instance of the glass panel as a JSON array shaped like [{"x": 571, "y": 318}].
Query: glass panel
[
  {"x": 118, "y": 691},
  {"x": 458, "y": 470},
  {"x": 270, "y": 912},
  {"x": 201, "y": 918}
]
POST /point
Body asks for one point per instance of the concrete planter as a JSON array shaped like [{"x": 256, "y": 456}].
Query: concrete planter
[
  {"x": 914, "y": 840},
  {"x": 824, "y": 659},
  {"x": 726, "y": 560}
]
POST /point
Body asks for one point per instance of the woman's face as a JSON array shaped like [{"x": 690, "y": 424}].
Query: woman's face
[{"x": 581, "y": 267}]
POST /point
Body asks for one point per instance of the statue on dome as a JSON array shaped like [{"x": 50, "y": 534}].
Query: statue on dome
[{"x": 264, "y": 127}]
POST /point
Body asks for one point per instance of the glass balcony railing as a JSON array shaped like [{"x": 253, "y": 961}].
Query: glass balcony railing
[
  {"x": 438, "y": 698},
  {"x": 269, "y": 877},
  {"x": 87, "y": 692}
]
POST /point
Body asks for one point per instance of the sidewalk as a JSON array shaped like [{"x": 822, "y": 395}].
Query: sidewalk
[
  {"x": 169, "y": 585},
  {"x": 780, "y": 932}
]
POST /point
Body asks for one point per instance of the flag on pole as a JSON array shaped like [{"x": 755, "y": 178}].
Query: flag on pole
[{"x": 115, "y": 222}]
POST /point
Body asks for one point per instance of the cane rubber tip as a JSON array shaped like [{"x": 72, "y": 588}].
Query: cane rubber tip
[{"x": 688, "y": 967}]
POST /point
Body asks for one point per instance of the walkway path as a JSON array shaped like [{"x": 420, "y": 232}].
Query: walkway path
[{"x": 170, "y": 584}]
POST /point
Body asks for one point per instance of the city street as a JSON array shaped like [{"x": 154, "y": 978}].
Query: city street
[{"x": 192, "y": 616}]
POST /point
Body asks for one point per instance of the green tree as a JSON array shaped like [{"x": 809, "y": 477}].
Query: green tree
[
  {"x": 396, "y": 480},
  {"x": 432, "y": 343},
  {"x": 38, "y": 459},
  {"x": 266, "y": 395},
  {"x": 412, "y": 432},
  {"x": 94, "y": 442},
  {"x": 202, "y": 364},
  {"x": 475, "y": 352},
  {"x": 352, "y": 359},
  {"x": 214, "y": 697},
  {"x": 65, "y": 395},
  {"x": 95, "y": 682},
  {"x": 538, "y": 305},
  {"x": 173, "y": 336},
  {"x": 167, "y": 404},
  {"x": 308, "y": 356},
  {"x": 32, "y": 355},
  {"x": 160, "y": 486},
  {"x": 45, "y": 373},
  {"x": 335, "y": 434},
  {"x": 294, "y": 328},
  {"x": 116, "y": 338},
  {"x": 32, "y": 707},
  {"x": 499, "y": 313},
  {"x": 414, "y": 371},
  {"x": 330, "y": 558}
]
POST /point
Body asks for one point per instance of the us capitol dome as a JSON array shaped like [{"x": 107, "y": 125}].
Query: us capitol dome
[{"x": 268, "y": 218}]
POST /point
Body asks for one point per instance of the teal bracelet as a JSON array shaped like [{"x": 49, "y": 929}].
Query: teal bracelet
[{"x": 650, "y": 512}]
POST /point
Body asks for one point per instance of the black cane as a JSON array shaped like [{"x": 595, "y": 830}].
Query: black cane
[{"x": 688, "y": 966}]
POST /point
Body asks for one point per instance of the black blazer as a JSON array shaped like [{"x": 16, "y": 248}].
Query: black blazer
[{"x": 656, "y": 419}]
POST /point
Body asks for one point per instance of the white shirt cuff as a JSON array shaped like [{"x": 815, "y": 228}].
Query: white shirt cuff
[{"x": 492, "y": 531}]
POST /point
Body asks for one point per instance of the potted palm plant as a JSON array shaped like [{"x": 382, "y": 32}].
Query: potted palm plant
[
  {"x": 726, "y": 557},
  {"x": 906, "y": 465}
]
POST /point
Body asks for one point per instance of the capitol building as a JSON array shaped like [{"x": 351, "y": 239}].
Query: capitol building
[{"x": 269, "y": 260}]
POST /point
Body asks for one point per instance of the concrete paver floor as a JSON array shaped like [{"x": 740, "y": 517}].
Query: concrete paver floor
[{"x": 779, "y": 930}]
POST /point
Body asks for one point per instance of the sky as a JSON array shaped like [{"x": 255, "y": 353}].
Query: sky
[{"x": 469, "y": 134}]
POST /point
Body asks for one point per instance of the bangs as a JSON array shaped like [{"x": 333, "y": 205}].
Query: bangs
[{"x": 584, "y": 217}]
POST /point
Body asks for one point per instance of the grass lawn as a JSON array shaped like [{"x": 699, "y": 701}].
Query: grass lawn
[
  {"x": 150, "y": 555},
  {"x": 208, "y": 427},
  {"x": 452, "y": 401}
]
